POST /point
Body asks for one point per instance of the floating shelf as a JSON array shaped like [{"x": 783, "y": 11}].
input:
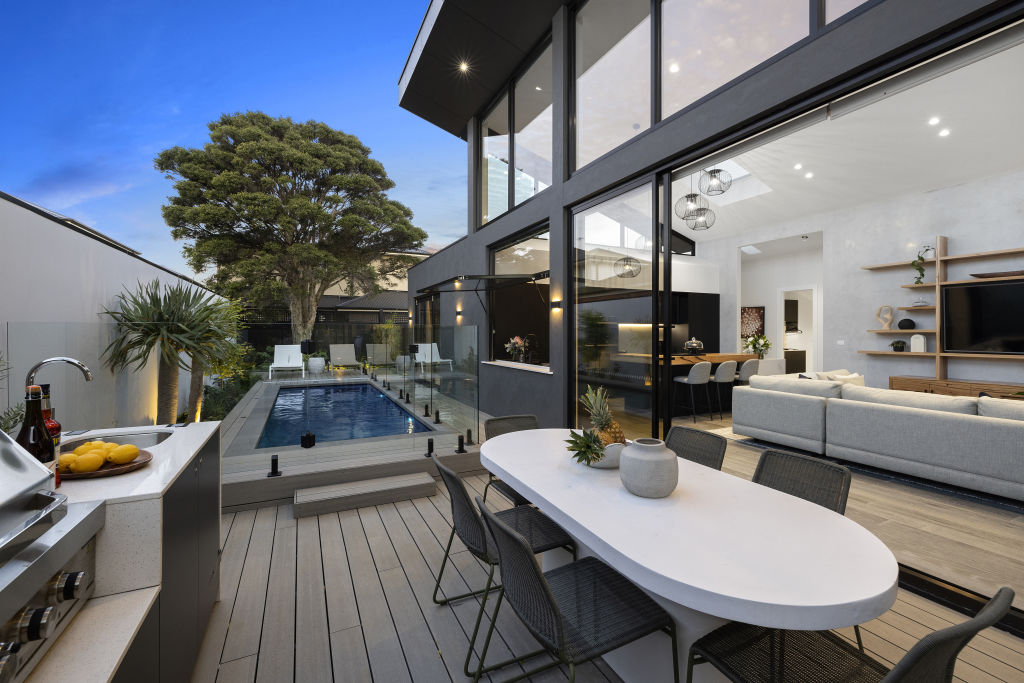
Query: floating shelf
[
  {"x": 916, "y": 308},
  {"x": 985, "y": 356},
  {"x": 895, "y": 264},
  {"x": 923, "y": 285},
  {"x": 985, "y": 254},
  {"x": 982, "y": 279},
  {"x": 911, "y": 354},
  {"x": 914, "y": 331}
]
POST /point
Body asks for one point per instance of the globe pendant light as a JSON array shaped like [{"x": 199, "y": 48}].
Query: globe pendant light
[
  {"x": 714, "y": 181},
  {"x": 688, "y": 205},
  {"x": 701, "y": 220}
]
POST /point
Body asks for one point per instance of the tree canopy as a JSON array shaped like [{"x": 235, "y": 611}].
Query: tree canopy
[{"x": 283, "y": 211}]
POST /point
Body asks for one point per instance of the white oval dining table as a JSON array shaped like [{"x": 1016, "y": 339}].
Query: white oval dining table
[{"x": 718, "y": 548}]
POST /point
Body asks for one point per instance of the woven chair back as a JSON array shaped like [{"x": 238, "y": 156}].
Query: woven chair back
[
  {"x": 933, "y": 658},
  {"x": 813, "y": 479},
  {"x": 697, "y": 446},
  {"x": 526, "y": 589},
  {"x": 468, "y": 525},
  {"x": 496, "y": 426}
]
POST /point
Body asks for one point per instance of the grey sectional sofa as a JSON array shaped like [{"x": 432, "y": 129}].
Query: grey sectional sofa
[{"x": 973, "y": 443}]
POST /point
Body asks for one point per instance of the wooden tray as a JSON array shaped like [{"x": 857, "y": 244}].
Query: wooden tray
[
  {"x": 1002, "y": 273},
  {"x": 109, "y": 470}
]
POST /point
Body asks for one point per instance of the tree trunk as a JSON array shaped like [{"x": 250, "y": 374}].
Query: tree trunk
[
  {"x": 303, "y": 313},
  {"x": 167, "y": 392},
  {"x": 195, "y": 390}
]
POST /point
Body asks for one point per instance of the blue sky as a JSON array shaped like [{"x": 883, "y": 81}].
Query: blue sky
[{"x": 95, "y": 90}]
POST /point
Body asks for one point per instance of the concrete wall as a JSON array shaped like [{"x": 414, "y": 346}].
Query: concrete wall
[{"x": 54, "y": 284}]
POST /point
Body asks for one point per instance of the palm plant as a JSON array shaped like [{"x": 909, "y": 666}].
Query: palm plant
[{"x": 179, "y": 323}]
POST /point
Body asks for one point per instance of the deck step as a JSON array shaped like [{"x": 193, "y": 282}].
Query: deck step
[{"x": 356, "y": 494}]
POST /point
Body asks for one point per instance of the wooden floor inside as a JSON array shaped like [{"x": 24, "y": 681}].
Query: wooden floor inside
[{"x": 347, "y": 597}]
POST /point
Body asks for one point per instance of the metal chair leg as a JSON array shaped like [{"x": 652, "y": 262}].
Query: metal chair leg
[
  {"x": 437, "y": 583},
  {"x": 490, "y": 480},
  {"x": 711, "y": 410},
  {"x": 476, "y": 626},
  {"x": 693, "y": 405},
  {"x": 860, "y": 642},
  {"x": 675, "y": 654},
  {"x": 718, "y": 393},
  {"x": 689, "y": 667},
  {"x": 481, "y": 669}
]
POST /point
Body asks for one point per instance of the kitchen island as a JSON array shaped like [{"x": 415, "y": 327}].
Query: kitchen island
[{"x": 157, "y": 560}]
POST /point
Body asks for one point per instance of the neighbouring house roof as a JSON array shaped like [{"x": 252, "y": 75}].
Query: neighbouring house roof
[
  {"x": 333, "y": 300},
  {"x": 387, "y": 300},
  {"x": 92, "y": 233}
]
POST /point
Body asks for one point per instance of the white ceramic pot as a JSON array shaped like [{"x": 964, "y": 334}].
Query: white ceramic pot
[
  {"x": 316, "y": 365},
  {"x": 648, "y": 468},
  {"x": 610, "y": 461}
]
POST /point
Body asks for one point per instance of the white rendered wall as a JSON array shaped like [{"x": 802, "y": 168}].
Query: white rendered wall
[
  {"x": 54, "y": 284},
  {"x": 694, "y": 274},
  {"x": 982, "y": 215}
]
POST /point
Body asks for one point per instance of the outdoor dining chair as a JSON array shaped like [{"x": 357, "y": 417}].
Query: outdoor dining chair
[
  {"x": 543, "y": 534},
  {"x": 496, "y": 426},
  {"x": 578, "y": 611},
  {"x": 753, "y": 653},
  {"x": 695, "y": 445}
]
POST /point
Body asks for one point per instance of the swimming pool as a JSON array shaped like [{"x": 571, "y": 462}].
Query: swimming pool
[{"x": 335, "y": 412}]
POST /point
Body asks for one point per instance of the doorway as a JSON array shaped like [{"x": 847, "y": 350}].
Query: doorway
[{"x": 798, "y": 330}]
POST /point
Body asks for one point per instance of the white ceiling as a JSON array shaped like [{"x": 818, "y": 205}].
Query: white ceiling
[
  {"x": 884, "y": 150},
  {"x": 785, "y": 245}
]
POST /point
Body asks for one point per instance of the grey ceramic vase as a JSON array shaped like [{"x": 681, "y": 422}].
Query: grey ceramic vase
[
  {"x": 610, "y": 461},
  {"x": 648, "y": 468}
]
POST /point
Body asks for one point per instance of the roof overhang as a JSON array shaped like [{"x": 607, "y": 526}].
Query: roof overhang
[
  {"x": 492, "y": 37},
  {"x": 480, "y": 283}
]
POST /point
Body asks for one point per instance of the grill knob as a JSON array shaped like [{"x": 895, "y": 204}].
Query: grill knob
[
  {"x": 33, "y": 623},
  {"x": 8, "y": 666},
  {"x": 66, "y": 586}
]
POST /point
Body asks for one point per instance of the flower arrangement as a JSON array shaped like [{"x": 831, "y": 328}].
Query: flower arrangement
[
  {"x": 586, "y": 447},
  {"x": 757, "y": 343},
  {"x": 516, "y": 347}
]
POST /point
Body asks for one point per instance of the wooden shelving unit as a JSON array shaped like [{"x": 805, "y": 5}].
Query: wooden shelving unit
[{"x": 940, "y": 262}]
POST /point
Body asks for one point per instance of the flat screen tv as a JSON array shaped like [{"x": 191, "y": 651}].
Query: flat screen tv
[{"x": 983, "y": 317}]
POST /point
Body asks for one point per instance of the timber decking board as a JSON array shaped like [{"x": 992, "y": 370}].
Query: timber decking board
[{"x": 361, "y": 584}]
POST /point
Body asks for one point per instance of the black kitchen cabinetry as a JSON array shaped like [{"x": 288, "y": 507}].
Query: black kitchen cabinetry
[{"x": 695, "y": 315}]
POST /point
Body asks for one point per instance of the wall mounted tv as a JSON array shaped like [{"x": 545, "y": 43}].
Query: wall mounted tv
[{"x": 983, "y": 317}]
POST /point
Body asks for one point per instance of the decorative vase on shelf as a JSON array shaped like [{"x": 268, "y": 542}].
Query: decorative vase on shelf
[
  {"x": 906, "y": 324},
  {"x": 648, "y": 468},
  {"x": 610, "y": 461}
]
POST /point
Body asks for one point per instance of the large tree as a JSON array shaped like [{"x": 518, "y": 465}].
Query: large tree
[{"x": 283, "y": 210}]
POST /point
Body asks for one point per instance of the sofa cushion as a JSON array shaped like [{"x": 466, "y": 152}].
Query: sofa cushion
[
  {"x": 911, "y": 399},
  {"x": 824, "y": 375},
  {"x": 796, "y": 386},
  {"x": 1008, "y": 409}
]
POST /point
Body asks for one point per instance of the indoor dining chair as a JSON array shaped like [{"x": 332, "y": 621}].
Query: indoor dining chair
[
  {"x": 746, "y": 653},
  {"x": 578, "y": 611},
  {"x": 747, "y": 370},
  {"x": 700, "y": 373},
  {"x": 496, "y": 426},
  {"x": 542, "y": 534},
  {"x": 725, "y": 374},
  {"x": 695, "y": 445}
]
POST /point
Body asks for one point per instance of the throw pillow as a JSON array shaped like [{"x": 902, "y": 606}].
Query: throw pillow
[{"x": 853, "y": 378}]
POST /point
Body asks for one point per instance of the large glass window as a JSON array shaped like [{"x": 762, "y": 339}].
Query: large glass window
[
  {"x": 707, "y": 44},
  {"x": 613, "y": 75},
  {"x": 521, "y": 309},
  {"x": 837, "y": 8},
  {"x": 533, "y": 128},
  {"x": 613, "y": 307},
  {"x": 494, "y": 152}
]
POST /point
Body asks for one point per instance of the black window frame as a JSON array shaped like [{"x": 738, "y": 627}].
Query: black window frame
[{"x": 492, "y": 250}]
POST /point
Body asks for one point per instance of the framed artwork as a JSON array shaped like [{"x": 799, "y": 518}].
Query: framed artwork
[{"x": 751, "y": 320}]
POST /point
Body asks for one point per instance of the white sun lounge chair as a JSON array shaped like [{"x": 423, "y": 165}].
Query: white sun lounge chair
[
  {"x": 287, "y": 357},
  {"x": 343, "y": 355},
  {"x": 377, "y": 354},
  {"x": 429, "y": 354}
]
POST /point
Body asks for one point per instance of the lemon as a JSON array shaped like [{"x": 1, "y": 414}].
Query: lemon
[
  {"x": 88, "y": 462},
  {"x": 109, "y": 446},
  {"x": 65, "y": 460},
  {"x": 85, "y": 447},
  {"x": 122, "y": 455}
]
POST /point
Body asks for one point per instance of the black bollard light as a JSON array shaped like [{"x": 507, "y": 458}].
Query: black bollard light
[
  {"x": 274, "y": 472},
  {"x": 426, "y": 410},
  {"x": 401, "y": 394},
  {"x": 430, "y": 448},
  {"x": 437, "y": 417},
  {"x": 407, "y": 398},
  {"x": 469, "y": 437},
  {"x": 462, "y": 445}
]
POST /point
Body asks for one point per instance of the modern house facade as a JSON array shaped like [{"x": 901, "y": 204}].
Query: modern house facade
[{"x": 599, "y": 135}]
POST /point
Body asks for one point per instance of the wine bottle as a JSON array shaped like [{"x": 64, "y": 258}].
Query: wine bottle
[
  {"x": 34, "y": 437},
  {"x": 53, "y": 427}
]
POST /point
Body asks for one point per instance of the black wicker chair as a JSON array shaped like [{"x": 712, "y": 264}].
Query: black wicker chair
[
  {"x": 752, "y": 653},
  {"x": 496, "y": 426},
  {"x": 813, "y": 479},
  {"x": 578, "y": 611},
  {"x": 542, "y": 534},
  {"x": 697, "y": 446}
]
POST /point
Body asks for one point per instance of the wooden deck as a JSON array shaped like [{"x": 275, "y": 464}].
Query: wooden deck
[{"x": 347, "y": 597}]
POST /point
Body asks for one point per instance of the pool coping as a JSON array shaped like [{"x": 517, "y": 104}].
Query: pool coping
[{"x": 246, "y": 439}]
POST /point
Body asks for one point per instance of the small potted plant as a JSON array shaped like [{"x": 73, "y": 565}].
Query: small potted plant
[
  {"x": 516, "y": 347},
  {"x": 918, "y": 263},
  {"x": 757, "y": 343},
  {"x": 586, "y": 447},
  {"x": 898, "y": 345}
]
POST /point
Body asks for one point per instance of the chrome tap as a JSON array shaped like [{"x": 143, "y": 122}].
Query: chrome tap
[{"x": 30, "y": 378}]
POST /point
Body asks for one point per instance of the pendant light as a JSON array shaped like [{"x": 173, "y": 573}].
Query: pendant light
[
  {"x": 701, "y": 220},
  {"x": 714, "y": 181},
  {"x": 690, "y": 203}
]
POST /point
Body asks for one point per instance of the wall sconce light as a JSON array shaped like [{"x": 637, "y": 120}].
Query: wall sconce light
[
  {"x": 458, "y": 312},
  {"x": 556, "y": 305}
]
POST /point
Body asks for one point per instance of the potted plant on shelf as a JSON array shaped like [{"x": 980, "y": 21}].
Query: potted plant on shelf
[
  {"x": 898, "y": 345},
  {"x": 757, "y": 343},
  {"x": 918, "y": 263},
  {"x": 516, "y": 347}
]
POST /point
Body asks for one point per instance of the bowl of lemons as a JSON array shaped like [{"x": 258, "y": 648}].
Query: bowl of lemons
[{"x": 101, "y": 459}]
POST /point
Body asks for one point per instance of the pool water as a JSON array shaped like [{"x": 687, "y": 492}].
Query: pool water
[{"x": 334, "y": 413}]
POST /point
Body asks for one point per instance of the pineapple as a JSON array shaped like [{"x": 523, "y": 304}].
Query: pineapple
[{"x": 595, "y": 402}]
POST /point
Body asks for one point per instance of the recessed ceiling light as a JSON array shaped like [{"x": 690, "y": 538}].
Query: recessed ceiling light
[
  {"x": 750, "y": 249},
  {"x": 804, "y": 237},
  {"x": 673, "y": 68},
  {"x": 797, "y": 167},
  {"x": 944, "y": 132},
  {"x": 463, "y": 67},
  {"x": 934, "y": 121},
  {"x": 808, "y": 175},
  {"x": 536, "y": 87}
]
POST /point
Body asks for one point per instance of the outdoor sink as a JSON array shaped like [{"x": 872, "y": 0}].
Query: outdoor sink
[{"x": 140, "y": 439}]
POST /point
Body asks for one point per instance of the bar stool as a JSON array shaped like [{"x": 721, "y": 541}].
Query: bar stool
[
  {"x": 700, "y": 373},
  {"x": 747, "y": 370},
  {"x": 725, "y": 374}
]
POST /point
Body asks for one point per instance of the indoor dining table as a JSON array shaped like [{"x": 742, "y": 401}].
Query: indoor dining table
[{"x": 718, "y": 548}]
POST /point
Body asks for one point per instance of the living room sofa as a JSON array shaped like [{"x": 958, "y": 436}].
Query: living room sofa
[{"x": 968, "y": 442}]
